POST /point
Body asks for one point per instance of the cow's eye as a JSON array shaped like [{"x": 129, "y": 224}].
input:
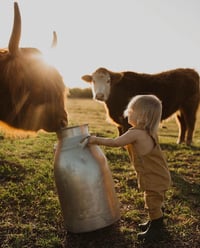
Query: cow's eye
[{"x": 108, "y": 81}]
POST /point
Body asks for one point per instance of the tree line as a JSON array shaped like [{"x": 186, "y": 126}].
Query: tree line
[{"x": 80, "y": 93}]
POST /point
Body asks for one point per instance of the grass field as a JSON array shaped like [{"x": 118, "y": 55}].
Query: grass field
[{"x": 30, "y": 214}]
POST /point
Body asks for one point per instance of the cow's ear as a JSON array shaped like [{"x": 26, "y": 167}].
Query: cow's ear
[
  {"x": 116, "y": 77},
  {"x": 87, "y": 78}
]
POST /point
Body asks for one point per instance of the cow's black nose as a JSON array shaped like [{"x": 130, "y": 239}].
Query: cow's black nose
[{"x": 99, "y": 96}]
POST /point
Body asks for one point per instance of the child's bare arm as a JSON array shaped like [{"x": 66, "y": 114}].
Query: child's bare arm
[{"x": 120, "y": 141}]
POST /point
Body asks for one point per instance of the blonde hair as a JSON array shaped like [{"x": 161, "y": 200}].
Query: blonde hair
[{"x": 147, "y": 110}]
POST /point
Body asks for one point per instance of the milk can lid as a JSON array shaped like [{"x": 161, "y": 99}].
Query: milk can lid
[{"x": 73, "y": 131}]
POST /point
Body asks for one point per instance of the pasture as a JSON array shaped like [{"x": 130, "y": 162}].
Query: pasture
[{"x": 30, "y": 214}]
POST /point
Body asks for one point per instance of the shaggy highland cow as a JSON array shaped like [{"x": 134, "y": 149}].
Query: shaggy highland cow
[
  {"x": 177, "y": 89},
  {"x": 32, "y": 93}
]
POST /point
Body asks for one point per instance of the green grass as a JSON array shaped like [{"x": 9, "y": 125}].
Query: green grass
[{"x": 30, "y": 214}]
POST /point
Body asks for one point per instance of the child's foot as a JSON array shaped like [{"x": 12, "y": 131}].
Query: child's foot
[
  {"x": 154, "y": 232},
  {"x": 144, "y": 226}
]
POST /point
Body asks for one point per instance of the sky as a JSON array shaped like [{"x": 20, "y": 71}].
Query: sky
[{"x": 147, "y": 36}]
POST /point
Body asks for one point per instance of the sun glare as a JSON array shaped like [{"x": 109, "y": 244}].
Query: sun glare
[{"x": 50, "y": 57}]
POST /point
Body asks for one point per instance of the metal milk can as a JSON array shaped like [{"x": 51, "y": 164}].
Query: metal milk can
[{"x": 84, "y": 183}]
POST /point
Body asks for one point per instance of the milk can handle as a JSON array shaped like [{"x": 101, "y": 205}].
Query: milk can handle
[{"x": 83, "y": 143}]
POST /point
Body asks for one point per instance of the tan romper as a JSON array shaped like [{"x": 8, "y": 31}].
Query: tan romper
[{"x": 153, "y": 177}]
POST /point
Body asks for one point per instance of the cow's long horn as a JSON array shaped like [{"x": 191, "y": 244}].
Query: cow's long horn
[
  {"x": 16, "y": 31},
  {"x": 55, "y": 39}
]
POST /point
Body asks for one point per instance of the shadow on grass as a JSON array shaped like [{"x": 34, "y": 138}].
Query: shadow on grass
[
  {"x": 184, "y": 208},
  {"x": 178, "y": 147},
  {"x": 10, "y": 171},
  {"x": 188, "y": 191},
  {"x": 106, "y": 237},
  {"x": 111, "y": 237}
]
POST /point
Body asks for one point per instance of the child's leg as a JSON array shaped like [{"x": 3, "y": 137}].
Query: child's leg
[
  {"x": 153, "y": 203},
  {"x": 154, "y": 227}
]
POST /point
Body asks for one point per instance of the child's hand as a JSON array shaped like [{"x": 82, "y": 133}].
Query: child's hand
[
  {"x": 92, "y": 139},
  {"x": 88, "y": 141},
  {"x": 84, "y": 142}
]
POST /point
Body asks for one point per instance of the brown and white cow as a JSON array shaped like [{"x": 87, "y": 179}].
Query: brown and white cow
[
  {"x": 177, "y": 89},
  {"x": 32, "y": 93}
]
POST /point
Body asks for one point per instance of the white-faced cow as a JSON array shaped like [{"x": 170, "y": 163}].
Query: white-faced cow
[
  {"x": 32, "y": 93},
  {"x": 177, "y": 89}
]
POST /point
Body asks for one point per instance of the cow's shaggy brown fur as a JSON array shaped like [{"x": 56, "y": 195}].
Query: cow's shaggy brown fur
[
  {"x": 32, "y": 93},
  {"x": 177, "y": 89}
]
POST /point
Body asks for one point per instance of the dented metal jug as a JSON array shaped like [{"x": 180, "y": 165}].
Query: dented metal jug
[{"x": 84, "y": 183}]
